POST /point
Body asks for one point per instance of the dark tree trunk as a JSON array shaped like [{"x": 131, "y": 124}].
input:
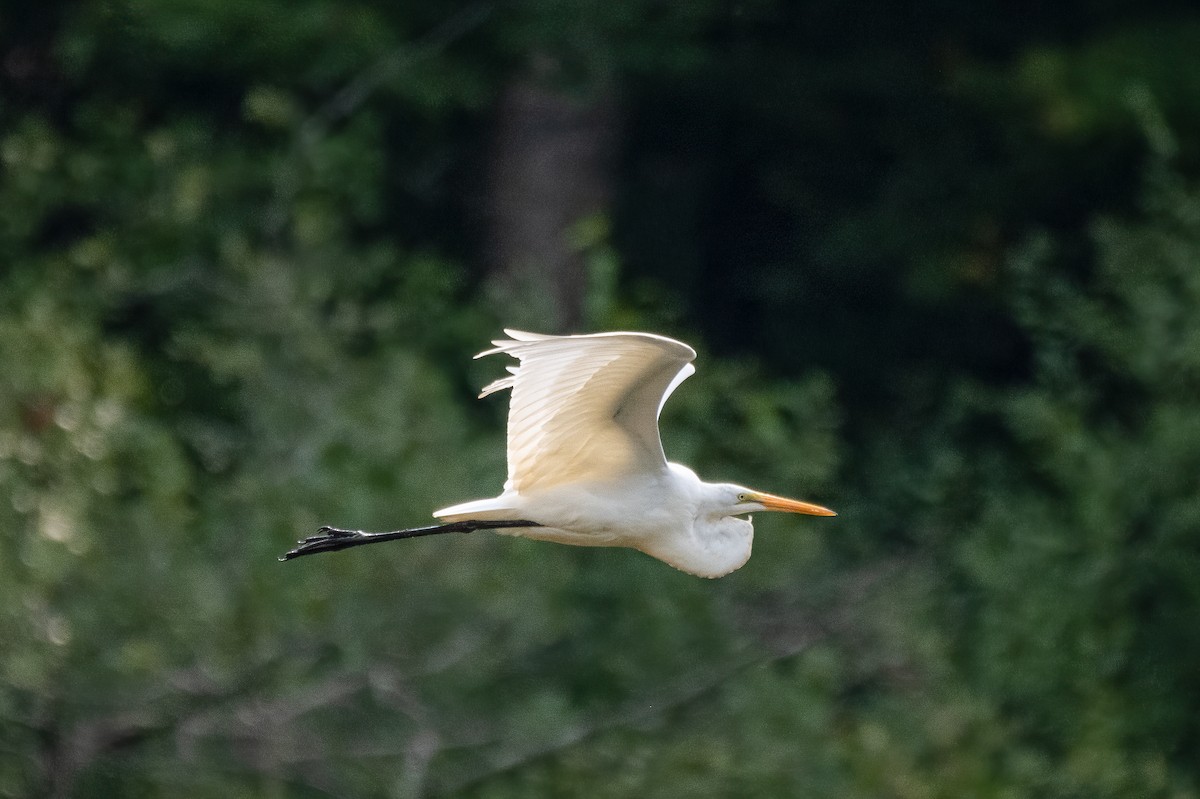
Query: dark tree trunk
[{"x": 550, "y": 168}]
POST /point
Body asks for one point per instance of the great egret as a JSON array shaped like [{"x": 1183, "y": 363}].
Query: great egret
[{"x": 585, "y": 463}]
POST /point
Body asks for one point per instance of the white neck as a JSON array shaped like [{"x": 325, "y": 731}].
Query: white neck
[{"x": 713, "y": 544}]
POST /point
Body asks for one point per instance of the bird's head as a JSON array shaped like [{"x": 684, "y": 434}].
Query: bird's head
[
  {"x": 738, "y": 500},
  {"x": 720, "y": 539}
]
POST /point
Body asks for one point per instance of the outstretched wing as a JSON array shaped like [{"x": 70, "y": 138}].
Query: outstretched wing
[{"x": 586, "y": 407}]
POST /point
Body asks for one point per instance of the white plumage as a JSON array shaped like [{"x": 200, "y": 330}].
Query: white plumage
[{"x": 586, "y": 463}]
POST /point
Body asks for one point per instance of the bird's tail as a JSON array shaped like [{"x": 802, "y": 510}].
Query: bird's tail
[{"x": 480, "y": 509}]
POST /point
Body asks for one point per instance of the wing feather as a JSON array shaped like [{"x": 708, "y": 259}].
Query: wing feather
[{"x": 586, "y": 406}]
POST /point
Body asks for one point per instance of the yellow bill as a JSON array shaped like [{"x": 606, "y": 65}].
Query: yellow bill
[{"x": 772, "y": 502}]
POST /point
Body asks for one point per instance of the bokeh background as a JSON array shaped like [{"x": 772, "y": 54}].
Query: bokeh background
[{"x": 942, "y": 264}]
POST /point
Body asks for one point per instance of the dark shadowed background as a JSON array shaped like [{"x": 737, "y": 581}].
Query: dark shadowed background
[{"x": 942, "y": 264}]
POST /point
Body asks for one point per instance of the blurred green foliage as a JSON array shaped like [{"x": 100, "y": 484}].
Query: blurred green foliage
[{"x": 942, "y": 267}]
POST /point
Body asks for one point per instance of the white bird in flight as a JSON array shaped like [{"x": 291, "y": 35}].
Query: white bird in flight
[{"x": 586, "y": 465}]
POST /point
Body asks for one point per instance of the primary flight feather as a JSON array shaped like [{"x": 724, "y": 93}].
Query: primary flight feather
[{"x": 586, "y": 464}]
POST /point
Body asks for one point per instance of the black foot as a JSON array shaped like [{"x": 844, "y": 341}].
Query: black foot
[{"x": 327, "y": 539}]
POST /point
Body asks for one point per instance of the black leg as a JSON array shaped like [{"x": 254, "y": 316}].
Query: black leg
[{"x": 331, "y": 539}]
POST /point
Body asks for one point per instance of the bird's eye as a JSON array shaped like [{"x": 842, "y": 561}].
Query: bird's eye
[{"x": 741, "y": 497}]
